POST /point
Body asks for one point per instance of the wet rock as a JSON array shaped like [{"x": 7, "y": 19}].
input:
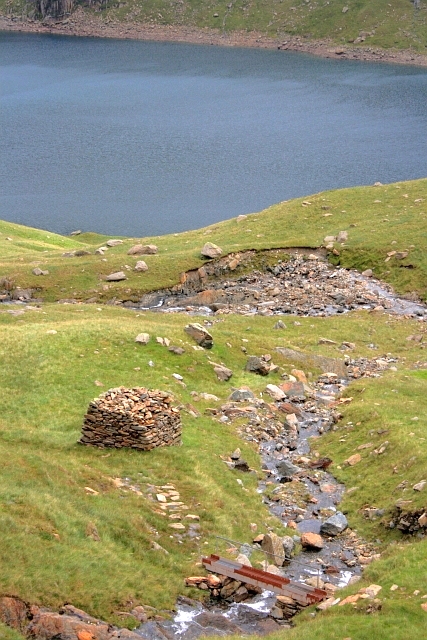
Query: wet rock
[
  {"x": 116, "y": 276},
  {"x": 312, "y": 541},
  {"x": 211, "y": 250},
  {"x": 334, "y": 525},
  {"x": 218, "y": 622},
  {"x": 287, "y": 469},
  {"x": 199, "y": 334}
]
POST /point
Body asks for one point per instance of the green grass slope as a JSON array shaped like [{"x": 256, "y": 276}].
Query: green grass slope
[
  {"x": 378, "y": 220},
  {"x": 377, "y": 23},
  {"x": 56, "y": 358}
]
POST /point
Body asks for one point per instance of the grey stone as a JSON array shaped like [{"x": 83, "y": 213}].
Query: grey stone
[
  {"x": 211, "y": 250},
  {"x": 258, "y": 365},
  {"x": 116, "y": 276},
  {"x": 40, "y": 272},
  {"x": 288, "y": 545},
  {"x": 334, "y": 525},
  {"x": 141, "y": 266},
  {"x": 287, "y": 469},
  {"x": 240, "y": 395},
  {"x": 143, "y": 338},
  {"x": 342, "y": 236},
  {"x": 199, "y": 334},
  {"x": 113, "y": 243},
  {"x": 223, "y": 373}
]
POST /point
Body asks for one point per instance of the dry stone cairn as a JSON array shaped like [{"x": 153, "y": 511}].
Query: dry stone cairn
[{"x": 138, "y": 418}]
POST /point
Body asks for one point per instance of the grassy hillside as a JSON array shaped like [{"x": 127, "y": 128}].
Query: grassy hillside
[
  {"x": 376, "y": 23},
  {"x": 378, "y": 220},
  {"x": 55, "y": 358}
]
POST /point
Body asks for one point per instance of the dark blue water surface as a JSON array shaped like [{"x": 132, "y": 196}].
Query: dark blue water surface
[{"x": 141, "y": 138}]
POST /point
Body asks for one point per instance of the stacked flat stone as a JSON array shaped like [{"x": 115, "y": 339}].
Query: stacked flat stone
[{"x": 138, "y": 418}]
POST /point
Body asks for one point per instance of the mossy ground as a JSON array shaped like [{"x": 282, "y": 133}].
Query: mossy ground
[{"x": 47, "y": 380}]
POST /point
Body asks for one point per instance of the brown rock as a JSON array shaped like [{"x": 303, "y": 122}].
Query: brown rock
[
  {"x": 142, "y": 249},
  {"x": 352, "y": 460},
  {"x": 199, "y": 334},
  {"x": 312, "y": 541},
  {"x": 211, "y": 250}
]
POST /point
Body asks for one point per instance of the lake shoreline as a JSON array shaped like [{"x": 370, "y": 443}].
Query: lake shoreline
[{"x": 83, "y": 25}]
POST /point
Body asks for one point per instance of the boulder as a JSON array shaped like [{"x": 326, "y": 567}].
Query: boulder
[
  {"x": 272, "y": 545},
  {"x": 142, "y": 249},
  {"x": 287, "y": 469},
  {"x": 113, "y": 243},
  {"x": 258, "y": 365},
  {"x": 288, "y": 545},
  {"x": 199, "y": 334},
  {"x": 211, "y": 250},
  {"x": 312, "y": 541},
  {"x": 275, "y": 392},
  {"x": 334, "y": 525}
]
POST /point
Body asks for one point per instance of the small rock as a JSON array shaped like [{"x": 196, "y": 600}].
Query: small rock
[
  {"x": 240, "y": 395},
  {"x": 116, "y": 277},
  {"x": 236, "y": 454},
  {"x": 113, "y": 243},
  {"x": 223, "y": 373},
  {"x": 143, "y": 338},
  {"x": 352, "y": 460},
  {"x": 368, "y": 273},
  {"x": 199, "y": 334},
  {"x": 142, "y": 249},
  {"x": 420, "y": 485},
  {"x": 141, "y": 266},
  {"x": 243, "y": 560},
  {"x": 40, "y": 272},
  {"x": 342, "y": 236},
  {"x": 211, "y": 250},
  {"x": 178, "y": 350},
  {"x": 275, "y": 392},
  {"x": 279, "y": 325}
]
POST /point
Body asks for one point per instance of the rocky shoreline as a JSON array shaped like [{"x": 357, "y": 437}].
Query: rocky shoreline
[{"x": 83, "y": 24}]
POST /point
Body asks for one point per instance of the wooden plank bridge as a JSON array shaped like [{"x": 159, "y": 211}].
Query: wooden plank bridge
[{"x": 301, "y": 593}]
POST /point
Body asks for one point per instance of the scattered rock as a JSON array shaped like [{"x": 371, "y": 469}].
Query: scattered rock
[
  {"x": 40, "y": 272},
  {"x": 141, "y": 266},
  {"x": 211, "y": 250},
  {"x": 352, "y": 460},
  {"x": 113, "y": 243},
  {"x": 143, "y": 338},
  {"x": 142, "y": 249},
  {"x": 223, "y": 373},
  {"x": 420, "y": 485},
  {"x": 240, "y": 395},
  {"x": 116, "y": 276},
  {"x": 272, "y": 545},
  {"x": 275, "y": 392},
  {"x": 258, "y": 365},
  {"x": 199, "y": 334}
]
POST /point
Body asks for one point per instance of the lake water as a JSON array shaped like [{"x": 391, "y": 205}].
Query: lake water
[{"x": 143, "y": 138}]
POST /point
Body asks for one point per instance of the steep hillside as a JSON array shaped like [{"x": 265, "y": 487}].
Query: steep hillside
[{"x": 401, "y": 24}]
